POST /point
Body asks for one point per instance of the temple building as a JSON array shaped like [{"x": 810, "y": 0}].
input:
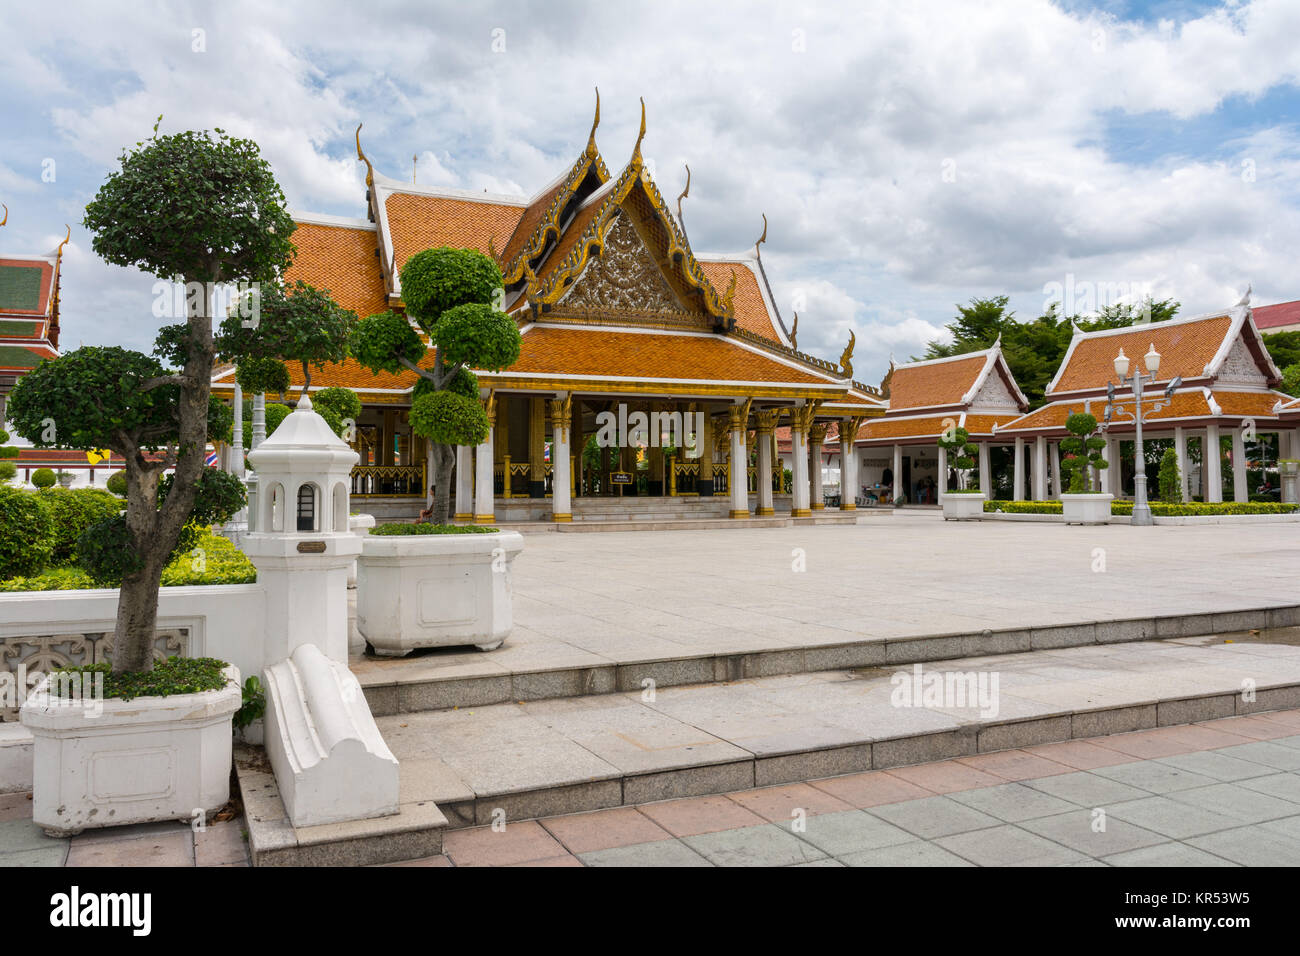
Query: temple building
[
  {"x": 898, "y": 456},
  {"x": 621, "y": 321},
  {"x": 29, "y": 313},
  {"x": 1214, "y": 380}
]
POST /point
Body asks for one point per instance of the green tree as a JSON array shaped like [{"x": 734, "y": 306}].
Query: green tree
[
  {"x": 204, "y": 208},
  {"x": 958, "y": 441},
  {"x": 298, "y": 324},
  {"x": 451, "y": 294},
  {"x": 1284, "y": 348},
  {"x": 1082, "y": 452},
  {"x": 1291, "y": 379}
]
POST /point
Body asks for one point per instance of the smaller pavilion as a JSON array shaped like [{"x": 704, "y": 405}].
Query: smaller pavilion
[
  {"x": 29, "y": 313},
  {"x": 1222, "y": 385},
  {"x": 898, "y": 456}
]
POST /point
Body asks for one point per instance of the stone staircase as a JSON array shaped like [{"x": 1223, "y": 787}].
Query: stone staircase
[{"x": 478, "y": 747}]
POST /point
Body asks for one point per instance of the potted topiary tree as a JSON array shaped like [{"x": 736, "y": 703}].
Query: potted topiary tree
[
  {"x": 1081, "y": 463},
  {"x": 1169, "y": 480},
  {"x": 432, "y": 584},
  {"x": 205, "y": 209},
  {"x": 967, "y": 503}
]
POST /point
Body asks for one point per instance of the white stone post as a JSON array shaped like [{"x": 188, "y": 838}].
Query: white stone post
[
  {"x": 764, "y": 439},
  {"x": 1239, "y": 465},
  {"x": 1054, "y": 469},
  {"x": 1018, "y": 473},
  {"x": 943, "y": 472},
  {"x": 484, "y": 506},
  {"x": 1212, "y": 465},
  {"x": 986, "y": 470},
  {"x": 464, "y": 483},
  {"x": 1040, "y": 468},
  {"x": 898, "y": 473},
  {"x": 800, "y": 504},
  {"x": 816, "y": 435},
  {"x": 1180, "y": 450}
]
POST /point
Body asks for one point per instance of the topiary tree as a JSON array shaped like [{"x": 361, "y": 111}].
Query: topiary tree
[
  {"x": 341, "y": 408},
  {"x": 203, "y": 208},
  {"x": 1082, "y": 453},
  {"x": 44, "y": 478},
  {"x": 298, "y": 324},
  {"x": 8, "y": 471},
  {"x": 1170, "y": 479},
  {"x": 117, "y": 483},
  {"x": 7, "y": 451},
  {"x": 258, "y": 376},
  {"x": 957, "y": 441},
  {"x": 450, "y": 294}
]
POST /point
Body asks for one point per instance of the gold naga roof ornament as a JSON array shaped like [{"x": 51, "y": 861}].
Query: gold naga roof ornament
[
  {"x": 492, "y": 246},
  {"x": 729, "y": 297},
  {"x": 591, "y": 138},
  {"x": 684, "y": 194},
  {"x": 6, "y": 218},
  {"x": 761, "y": 239},
  {"x": 846, "y": 358},
  {"x": 58, "y": 253},
  {"x": 362, "y": 158},
  {"x": 794, "y": 333}
]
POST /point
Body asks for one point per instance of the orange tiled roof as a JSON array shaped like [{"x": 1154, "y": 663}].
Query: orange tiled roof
[
  {"x": 572, "y": 233},
  {"x": 528, "y": 222},
  {"x": 983, "y": 424},
  {"x": 928, "y": 427},
  {"x": 608, "y": 352},
  {"x": 751, "y": 310},
  {"x": 1247, "y": 403},
  {"x": 1188, "y": 404},
  {"x": 1185, "y": 348},
  {"x": 416, "y": 223},
  {"x": 934, "y": 383},
  {"x": 343, "y": 261}
]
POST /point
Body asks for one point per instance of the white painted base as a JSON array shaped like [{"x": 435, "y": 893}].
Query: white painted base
[
  {"x": 1086, "y": 509},
  {"x": 331, "y": 763},
  {"x": 438, "y": 590},
  {"x": 962, "y": 507},
  {"x": 358, "y": 524},
  {"x": 137, "y": 761},
  {"x": 16, "y": 749}
]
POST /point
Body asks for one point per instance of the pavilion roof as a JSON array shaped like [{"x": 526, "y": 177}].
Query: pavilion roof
[
  {"x": 889, "y": 430},
  {"x": 1270, "y": 317},
  {"x": 1192, "y": 405},
  {"x": 952, "y": 383}
]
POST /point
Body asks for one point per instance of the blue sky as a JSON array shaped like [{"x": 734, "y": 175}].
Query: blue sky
[{"x": 908, "y": 157}]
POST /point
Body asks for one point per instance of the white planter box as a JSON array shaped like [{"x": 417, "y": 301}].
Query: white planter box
[
  {"x": 1086, "y": 509},
  {"x": 963, "y": 507},
  {"x": 358, "y": 524},
  {"x": 133, "y": 761},
  {"x": 436, "y": 590}
]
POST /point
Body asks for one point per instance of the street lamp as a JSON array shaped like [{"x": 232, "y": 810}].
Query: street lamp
[{"x": 1141, "y": 510}]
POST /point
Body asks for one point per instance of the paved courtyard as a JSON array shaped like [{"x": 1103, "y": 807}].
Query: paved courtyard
[
  {"x": 583, "y": 600},
  {"x": 1217, "y": 793}
]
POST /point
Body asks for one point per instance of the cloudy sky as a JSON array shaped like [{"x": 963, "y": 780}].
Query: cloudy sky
[{"x": 908, "y": 156}]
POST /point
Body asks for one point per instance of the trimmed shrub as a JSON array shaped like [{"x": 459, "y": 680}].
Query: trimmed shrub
[
  {"x": 1160, "y": 509},
  {"x": 8, "y": 472},
  {"x": 117, "y": 483},
  {"x": 72, "y": 511},
  {"x": 400, "y": 529},
  {"x": 1169, "y": 480},
  {"x": 26, "y": 533},
  {"x": 44, "y": 478}
]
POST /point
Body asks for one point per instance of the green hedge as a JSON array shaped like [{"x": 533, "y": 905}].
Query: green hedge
[
  {"x": 176, "y": 675},
  {"x": 221, "y": 563},
  {"x": 72, "y": 511},
  {"x": 399, "y": 529},
  {"x": 1159, "y": 509},
  {"x": 26, "y": 532}
]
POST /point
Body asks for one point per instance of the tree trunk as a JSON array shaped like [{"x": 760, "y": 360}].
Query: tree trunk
[
  {"x": 444, "y": 459},
  {"x": 154, "y": 530}
]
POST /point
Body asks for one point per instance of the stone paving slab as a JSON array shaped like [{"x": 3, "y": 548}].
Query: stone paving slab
[
  {"x": 1075, "y": 817},
  {"x": 537, "y": 758},
  {"x": 607, "y": 611}
]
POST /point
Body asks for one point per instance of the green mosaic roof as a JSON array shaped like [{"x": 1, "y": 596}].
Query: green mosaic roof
[
  {"x": 27, "y": 329},
  {"x": 20, "y": 287},
  {"x": 15, "y": 356}
]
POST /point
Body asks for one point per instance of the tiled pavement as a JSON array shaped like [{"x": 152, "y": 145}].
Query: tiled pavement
[{"x": 1218, "y": 793}]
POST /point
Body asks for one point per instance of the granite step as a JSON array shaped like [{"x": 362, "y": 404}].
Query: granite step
[
  {"x": 456, "y": 677},
  {"x": 524, "y": 760}
]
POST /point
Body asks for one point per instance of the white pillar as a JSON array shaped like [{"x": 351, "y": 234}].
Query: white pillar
[
  {"x": 484, "y": 505},
  {"x": 561, "y": 419},
  {"x": 259, "y": 419},
  {"x": 898, "y": 473},
  {"x": 815, "y": 468},
  {"x": 1018, "y": 473},
  {"x": 1238, "y": 465},
  {"x": 1212, "y": 465},
  {"x": 737, "y": 484},
  {"x": 848, "y": 470},
  {"x": 1180, "y": 450},
  {"x": 943, "y": 473},
  {"x": 764, "y": 439},
  {"x": 237, "y": 439},
  {"x": 986, "y": 470},
  {"x": 1040, "y": 468},
  {"x": 800, "y": 504},
  {"x": 464, "y": 483}
]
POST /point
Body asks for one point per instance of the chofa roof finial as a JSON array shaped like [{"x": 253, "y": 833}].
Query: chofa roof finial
[
  {"x": 361, "y": 157},
  {"x": 636, "y": 151},
  {"x": 6, "y": 218},
  {"x": 591, "y": 138},
  {"x": 1245, "y": 299},
  {"x": 761, "y": 239},
  {"x": 794, "y": 333},
  {"x": 685, "y": 192}
]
